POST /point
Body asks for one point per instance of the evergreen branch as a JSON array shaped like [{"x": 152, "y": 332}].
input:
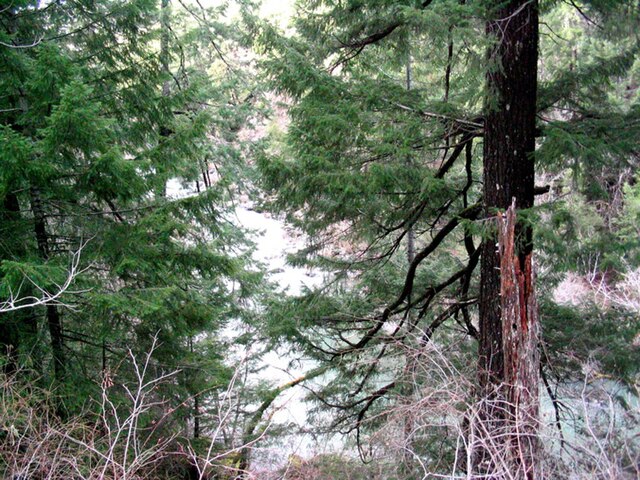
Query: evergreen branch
[
  {"x": 467, "y": 214},
  {"x": 345, "y": 59},
  {"x": 13, "y": 44},
  {"x": 459, "y": 125},
  {"x": 431, "y": 294},
  {"x": 411, "y": 220},
  {"x": 446, "y": 166},
  {"x": 440, "y": 319},
  {"x": 17, "y": 14},
  {"x": 433, "y": 291},
  {"x": 114, "y": 211},
  {"x": 373, "y": 365},
  {"x": 375, "y": 396},
  {"x": 373, "y": 38},
  {"x": 377, "y": 36},
  {"x": 80, "y": 339},
  {"x": 357, "y": 46},
  {"x": 368, "y": 400},
  {"x": 468, "y": 245},
  {"x": 583, "y": 14},
  {"x": 555, "y": 402},
  {"x": 101, "y": 18},
  {"x": 205, "y": 23}
]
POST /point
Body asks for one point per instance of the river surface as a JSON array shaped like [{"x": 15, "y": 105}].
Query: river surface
[{"x": 274, "y": 240}]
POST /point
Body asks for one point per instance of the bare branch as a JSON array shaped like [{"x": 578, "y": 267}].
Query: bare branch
[
  {"x": 35, "y": 43},
  {"x": 46, "y": 296}
]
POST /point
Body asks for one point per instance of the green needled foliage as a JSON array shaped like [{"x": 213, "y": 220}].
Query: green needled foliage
[
  {"x": 107, "y": 143},
  {"x": 131, "y": 130},
  {"x": 381, "y": 166}
]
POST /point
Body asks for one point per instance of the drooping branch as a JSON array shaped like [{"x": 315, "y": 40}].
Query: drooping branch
[
  {"x": 455, "y": 126},
  {"x": 354, "y": 47},
  {"x": 427, "y": 298},
  {"x": 431, "y": 293},
  {"x": 469, "y": 213},
  {"x": 379, "y": 35},
  {"x": 466, "y": 214},
  {"x": 555, "y": 402},
  {"x": 446, "y": 166}
]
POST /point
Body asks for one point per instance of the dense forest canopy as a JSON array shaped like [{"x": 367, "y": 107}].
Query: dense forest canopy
[{"x": 460, "y": 178}]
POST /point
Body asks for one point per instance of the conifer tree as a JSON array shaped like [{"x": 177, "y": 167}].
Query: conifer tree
[
  {"x": 104, "y": 138},
  {"x": 344, "y": 174}
]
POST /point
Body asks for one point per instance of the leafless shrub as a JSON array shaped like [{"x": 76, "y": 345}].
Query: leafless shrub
[
  {"x": 126, "y": 436},
  {"x": 601, "y": 432},
  {"x": 114, "y": 443},
  {"x": 600, "y": 436},
  {"x": 228, "y": 461}
]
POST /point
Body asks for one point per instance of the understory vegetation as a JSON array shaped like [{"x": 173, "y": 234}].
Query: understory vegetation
[{"x": 454, "y": 185}]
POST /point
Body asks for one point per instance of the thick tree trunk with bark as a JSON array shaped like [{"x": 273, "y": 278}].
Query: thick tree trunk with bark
[
  {"x": 507, "y": 351},
  {"x": 54, "y": 322}
]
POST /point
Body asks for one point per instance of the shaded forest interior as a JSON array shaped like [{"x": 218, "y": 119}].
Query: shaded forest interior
[{"x": 321, "y": 239}]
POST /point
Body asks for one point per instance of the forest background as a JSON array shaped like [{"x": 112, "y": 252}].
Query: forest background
[{"x": 461, "y": 177}]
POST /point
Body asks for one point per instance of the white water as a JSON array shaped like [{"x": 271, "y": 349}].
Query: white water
[{"x": 273, "y": 243}]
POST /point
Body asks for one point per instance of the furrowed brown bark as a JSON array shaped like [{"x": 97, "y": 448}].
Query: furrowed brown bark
[{"x": 509, "y": 143}]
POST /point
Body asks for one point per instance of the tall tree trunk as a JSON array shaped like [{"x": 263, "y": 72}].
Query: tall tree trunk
[
  {"x": 165, "y": 131},
  {"x": 196, "y": 398},
  {"x": 19, "y": 329},
  {"x": 509, "y": 143},
  {"x": 407, "y": 466},
  {"x": 9, "y": 334},
  {"x": 12, "y": 207},
  {"x": 164, "y": 45},
  {"x": 54, "y": 321}
]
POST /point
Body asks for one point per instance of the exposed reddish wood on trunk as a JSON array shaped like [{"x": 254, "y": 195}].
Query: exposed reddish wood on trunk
[
  {"x": 508, "y": 165},
  {"x": 508, "y": 174},
  {"x": 520, "y": 335}
]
